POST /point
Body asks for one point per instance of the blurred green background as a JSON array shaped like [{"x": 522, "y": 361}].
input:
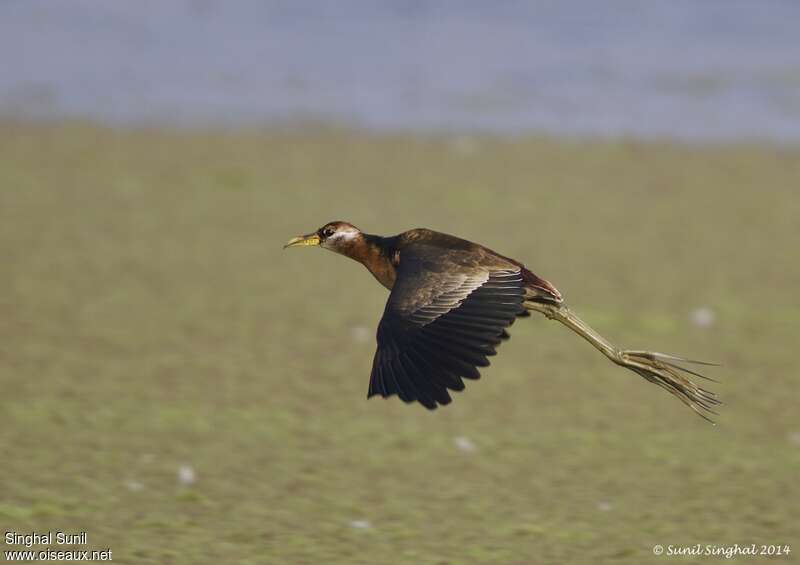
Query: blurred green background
[{"x": 184, "y": 391}]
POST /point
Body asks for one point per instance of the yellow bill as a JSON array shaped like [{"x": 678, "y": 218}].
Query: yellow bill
[{"x": 303, "y": 240}]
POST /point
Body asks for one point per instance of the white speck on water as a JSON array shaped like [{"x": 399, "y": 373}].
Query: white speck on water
[
  {"x": 465, "y": 444},
  {"x": 186, "y": 475},
  {"x": 360, "y": 524},
  {"x": 604, "y": 506},
  {"x": 360, "y": 334},
  {"x": 134, "y": 486},
  {"x": 465, "y": 145},
  {"x": 703, "y": 317},
  {"x": 794, "y": 438}
]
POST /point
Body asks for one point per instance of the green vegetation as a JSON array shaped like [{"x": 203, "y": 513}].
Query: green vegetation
[{"x": 150, "y": 320}]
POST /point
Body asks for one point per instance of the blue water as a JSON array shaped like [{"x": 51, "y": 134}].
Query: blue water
[{"x": 688, "y": 69}]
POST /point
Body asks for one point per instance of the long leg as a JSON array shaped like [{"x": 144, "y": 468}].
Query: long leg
[{"x": 658, "y": 368}]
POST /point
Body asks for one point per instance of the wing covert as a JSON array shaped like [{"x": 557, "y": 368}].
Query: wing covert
[{"x": 441, "y": 322}]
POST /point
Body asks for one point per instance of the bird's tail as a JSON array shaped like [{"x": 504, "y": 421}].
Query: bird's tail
[{"x": 658, "y": 368}]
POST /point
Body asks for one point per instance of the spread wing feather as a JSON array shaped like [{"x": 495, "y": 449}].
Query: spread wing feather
[{"x": 441, "y": 322}]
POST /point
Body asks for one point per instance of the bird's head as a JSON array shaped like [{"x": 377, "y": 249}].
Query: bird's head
[{"x": 340, "y": 237}]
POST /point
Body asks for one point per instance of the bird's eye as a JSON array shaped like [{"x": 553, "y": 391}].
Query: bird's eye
[{"x": 327, "y": 232}]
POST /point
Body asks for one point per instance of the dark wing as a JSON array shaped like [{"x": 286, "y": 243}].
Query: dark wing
[{"x": 442, "y": 320}]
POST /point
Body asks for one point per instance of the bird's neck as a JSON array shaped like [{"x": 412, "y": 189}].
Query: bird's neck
[{"x": 376, "y": 254}]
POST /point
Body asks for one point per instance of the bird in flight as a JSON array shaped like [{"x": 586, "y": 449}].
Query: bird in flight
[{"x": 450, "y": 306}]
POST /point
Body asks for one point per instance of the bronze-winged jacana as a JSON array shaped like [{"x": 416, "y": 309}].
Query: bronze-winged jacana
[{"x": 450, "y": 305}]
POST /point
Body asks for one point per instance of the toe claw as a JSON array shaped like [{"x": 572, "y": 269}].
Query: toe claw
[{"x": 658, "y": 369}]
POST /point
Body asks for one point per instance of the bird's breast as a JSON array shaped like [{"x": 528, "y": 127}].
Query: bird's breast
[
  {"x": 385, "y": 272},
  {"x": 379, "y": 259}
]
